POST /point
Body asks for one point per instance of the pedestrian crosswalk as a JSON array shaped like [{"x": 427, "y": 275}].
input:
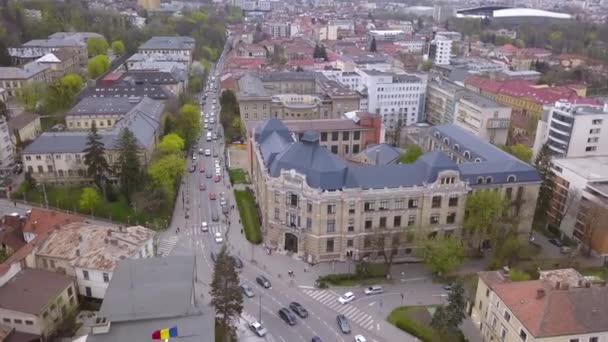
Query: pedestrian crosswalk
[
  {"x": 212, "y": 229},
  {"x": 330, "y": 299},
  {"x": 165, "y": 246}
]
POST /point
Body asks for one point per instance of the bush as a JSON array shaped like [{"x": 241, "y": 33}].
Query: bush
[
  {"x": 400, "y": 318},
  {"x": 519, "y": 275},
  {"x": 363, "y": 271}
]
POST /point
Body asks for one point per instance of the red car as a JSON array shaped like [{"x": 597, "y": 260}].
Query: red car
[
  {"x": 202, "y": 169},
  {"x": 218, "y": 178},
  {"x": 203, "y": 187},
  {"x": 212, "y": 196}
]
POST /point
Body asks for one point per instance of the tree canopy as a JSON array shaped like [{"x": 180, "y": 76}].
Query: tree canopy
[
  {"x": 94, "y": 157},
  {"x": 89, "y": 199},
  {"x": 118, "y": 47},
  {"x": 97, "y": 46},
  {"x": 443, "y": 256},
  {"x": 129, "y": 166},
  {"x": 411, "y": 155},
  {"x": 171, "y": 143},
  {"x": 165, "y": 172},
  {"x": 98, "y": 65},
  {"x": 189, "y": 124},
  {"x": 483, "y": 208},
  {"x": 226, "y": 295}
]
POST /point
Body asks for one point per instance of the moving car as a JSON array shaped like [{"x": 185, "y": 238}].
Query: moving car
[
  {"x": 343, "y": 324},
  {"x": 200, "y": 151},
  {"x": 372, "y": 290},
  {"x": 218, "y": 178},
  {"x": 202, "y": 167},
  {"x": 207, "y": 152},
  {"x": 218, "y": 237},
  {"x": 263, "y": 281},
  {"x": 360, "y": 338},
  {"x": 247, "y": 291},
  {"x": 203, "y": 187},
  {"x": 192, "y": 168},
  {"x": 555, "y": 242},
  {"x": 287, "y": 316},
  {"x": 238, "y": 263},
  {"x": 208, "y": 175},
  {"x": 222, "y": 198},
  {"x": 346, "y": 298},
  {"x": 212, "y": 196},
  {"x": 225, "y": 209},
  {"x": 214, "y": 153},
  {"x": 258, "y": 328},
  {"x": 204, "y": 226},
  {"x": 298, "y": 309},
  {"x": 214, "y": 216},
  {"x": 193, "y": 156}
]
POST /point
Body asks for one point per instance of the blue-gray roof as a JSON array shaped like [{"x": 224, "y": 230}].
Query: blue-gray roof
[
  {"x": 102, "y": 105},
  {"x": 168, "y": 43},
  {"x": 385, "y": 153},
  {"x": 325, "y": 170}
]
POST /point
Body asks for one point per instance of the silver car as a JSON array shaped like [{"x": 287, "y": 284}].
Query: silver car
[{"x": 247, "y": 291}]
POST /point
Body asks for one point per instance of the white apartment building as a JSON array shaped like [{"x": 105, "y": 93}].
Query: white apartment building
[
  {"x": 440, "y": 50},
  {"x": 412, "y": 44},
  {"x": 386, "y": 35},
  {"x": 278, "y": 29},
  {"x": 573, "y": 130},
  {"x": 169, "y": 45},
  {"x": 483, "y": 117},
  {"x": 394, "y": 96},
  {"x": 91, "y": 252},
  {"x": 7, "y": 148}
]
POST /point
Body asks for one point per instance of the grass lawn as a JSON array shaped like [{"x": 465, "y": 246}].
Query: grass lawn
[
  {"x": 415, "y": 320},
  {"x": 599, "y": 271},
  {"x": 249, "y": 215},
  {"x": 364, "y": 274},
  {"x": 238, "y": 176}
]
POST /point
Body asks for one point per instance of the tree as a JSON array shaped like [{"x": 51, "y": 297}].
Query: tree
[
  {"x": 426, "y": 65},
  {"x": 447, "y": 318},
  {"x": 31, "y": 94},
  {"x": 373, "y": 47},
  {"x": 443, "y": 256},
  {"x": 129, "y": 166},
  {"x": 483, "y": 210},
  {"x": 411, "y": 155},
  {"x": 320, "y": 52},
  {"x": 98, "y": 65},
  {"x": 61, "y": 93},
  {"x": 543, "y": 166},
  {"x": 165, "y": 173},
  {"x": 189, "y": 124},
  {"x": 171, "y": 143},
  {"x": 5, "y": 58},
  {"x": 521, "y": 152},
  {"x": 118, "y": 47},
  {"x": 94, "y": 157},
  {"x": 226, "y": 294},
  {"x": 97, "y": 46},
  {"x": 89, "y": 199}
]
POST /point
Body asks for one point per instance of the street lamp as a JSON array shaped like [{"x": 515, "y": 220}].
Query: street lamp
[{"x": 260, "y": 312}]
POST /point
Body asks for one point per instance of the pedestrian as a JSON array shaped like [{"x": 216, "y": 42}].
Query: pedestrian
[
  {"x": 15, "y": 203},
  {"x": 241, "y": 231}
]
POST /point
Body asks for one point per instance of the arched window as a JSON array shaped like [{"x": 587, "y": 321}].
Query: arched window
[
  {"x": 467, "y": 154},
  {"x": 477, "y": 160},
  {"x": 479, "y": 180},
  {"x": 437, "y": 135},
  {"x": 511, "y": 179},
  {"x": 456, "y": 148},
  {"x": 446, "y": 141},
  {"x": 488, "y": 180}
]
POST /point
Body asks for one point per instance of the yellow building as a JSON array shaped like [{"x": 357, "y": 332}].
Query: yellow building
[{"x": 149, "y": 4}]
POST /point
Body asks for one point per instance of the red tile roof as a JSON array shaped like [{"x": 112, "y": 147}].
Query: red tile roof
[{"x": 42, "y": 220}]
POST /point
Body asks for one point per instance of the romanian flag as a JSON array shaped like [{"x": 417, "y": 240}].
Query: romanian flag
[{"x": 164, "y": 334}]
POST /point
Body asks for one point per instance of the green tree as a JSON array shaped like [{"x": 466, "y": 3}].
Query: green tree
[
  {"x": 165, "y": 173},
  {"x": 89, "y": 199},
  {"x": 518, "y": 275},
  {"x": 129, "y": 166},
  {"x": 189, "y": 124},
  {"x": 543, "y": 166},
  {"x": 118, "y": 47},
  {"x": 98, "y": 65},
  {"x": 411, "y": 155},
  {"x": 94, "y": 157},
  {"x": 320, "y": 52},
  {"x": 31, "y": 94},
  {"x": 61, "y": 93},
  {"x": 226, "y": 295},
  {"x": 373, "y": 47},
  {"x": 5, "y": 58},
  {"x": 483, "y": 211},
  {"x": 426, "y": 65},
  {"x": 521, "y": 152},
  {"x": 447, "y": 318},
  {"x": 171, "y": 143},
  {"x": 443, "y": 256},
  {"x": 97, "y": 46}
]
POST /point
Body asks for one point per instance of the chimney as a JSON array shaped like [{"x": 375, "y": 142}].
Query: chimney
[
  {"x": 109, "y": 232},
  {"x": 540, "y": 293},
  {"x": 78, "y": 252}
]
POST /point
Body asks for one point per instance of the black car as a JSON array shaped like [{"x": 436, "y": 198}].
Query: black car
[
  {"x": 238, "y": 263},
  {"x": 343, "y": 324},
  {"x": 556, "y": 242},
  {"x": 316, "y": 339},
  {"x": 287, "y": 316},
  {"x": 263, "y": 281},
  {"x": 298, "y": 309}
]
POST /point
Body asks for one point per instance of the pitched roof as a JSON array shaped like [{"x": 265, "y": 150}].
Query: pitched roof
[
  {"x": 42, "y": 220},
  {"x": 31, "y": 290},
  {"x": 103, "y": 105},
  {"x": 168, "y": 43},
  {"x": 21, "y": 120},
  {"x": 385, "y": 153}
]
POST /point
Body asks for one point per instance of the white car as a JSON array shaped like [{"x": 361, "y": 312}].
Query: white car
[
  {"x": 206, "y": 121},
  {"x": 206, "y": 126},
  {"x": 207, "y": 152},
  {"x": 218, "y": 171},
  {"x": 372, "y": 290},
  {"x": 346, "y": 298},
  {"x": 258, "y": 328},
  {"x": 218, "y": 237},
  {"x": 360, "y": 338},
  {"x": 204, "y": 226}
]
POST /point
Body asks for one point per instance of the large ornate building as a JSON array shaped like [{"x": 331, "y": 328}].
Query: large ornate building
[{"x": 315, "y": 204}]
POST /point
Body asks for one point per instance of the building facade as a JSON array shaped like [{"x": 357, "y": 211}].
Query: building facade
[
  {"x": 440, "y": 50},
  {"x": 7, "y": 148}
]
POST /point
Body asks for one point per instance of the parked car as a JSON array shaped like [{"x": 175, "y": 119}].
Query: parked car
[
  {"x": 203, "y": 187},
  {"x": 343, "y": 324},
  {"x": 238, "y": 263},
  {"x": 263, "y": 281},
  {"x": 202, "y": 168},
  {"x": 287, "y": 316},
  {"x": 346, "y": 298},
  {"x": 258, "y": 328},
  {"x": 201, "y": 151},
  {"x": 247, "y": 291},
  {"x": 372, "y": 290},
  {"x": 207, "y": 152},
  {"x": 208, "y": 174},
  {"x": 316, "y": 339},
  {"x": 360, "y": 338},
  {"x": 298, "y": 309},
  {"x": 192, "y": 168},
  {"x": 218, "y": 178}
]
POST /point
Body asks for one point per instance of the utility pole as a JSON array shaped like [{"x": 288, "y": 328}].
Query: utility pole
[{"x": 46, "y": 200}]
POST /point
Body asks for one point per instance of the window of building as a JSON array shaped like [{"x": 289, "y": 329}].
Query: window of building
[
  {"x": 335, "y": 136},
  {"x": 574, "y": 340},
  {"x": 511, "y": 179},
  {"x": 292, "y": 199},
  {"x": 590, "y": 148},
  {"x": 594, "y": 131},
  {"x": 28, "y": 322},
  {"x": 356, "y": 135},
  {"x": 384, "y": 205},
  {"x": 523, "y": 335},
  {"x": 308, "y": 224},
  {"x": 411, "y": 220},
  {"x": 368, "y": 224},
  {"x": 331, "y": 226},
  {"x": 87, "y": 291},
  {"x": 436, "y": 202},
  {"x": 40, "y": 169},
  {"x": 45, "y": 263},
  {"x": 399, "y": 204},
  {"x": 346, "y": 149},
  {"x": 412, "y": 203},
  {"x": 479, "y": 180},
  {"x": 453, "y": 201},
  {"x": 503, "y": 333},
  {"x": 351, "y": 208},
  {"x": 334, "y": 149},
  {"x": 350, "y": 243},
  {"x": 397, "y": 221},
  {"x": 369, "y": 206},
  {"x": 596, "y": 122},
  {"x": 18, "y": 321},
  {"x": 345, "y": 136},
  {"x": 329, "y": 245},
  {"x": 594, "y": 339},
  {"x": 277, "y": 196},
  {"x": 451, "y": 218},
  {"x": 85, "y": 274},
  {"x": 6, "y": 320},
  {"x": 70, "y": 291},
  {"x": 106, "y": 278},
  {"x": 507, "y": 316},
  {"x": 593, "y": 140},
  {"x": 355, "y": 148},
  {"x": 38, "y": 157},
  {"x": 323, "y": 136},
  {"x": 331, "y": 208},
  {"x": 382, "y": 222},
  {"x": 434, "y": 219},
  {"x": 277, "y": 213},
  {"x": 351, "y": 228}
]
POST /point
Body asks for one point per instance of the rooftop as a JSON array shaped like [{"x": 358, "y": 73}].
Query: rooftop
[
  {"x": 590, "y": 168},
  {"x": 168, "y": 43},
  {"x": 31, "y": 290},
  {"x": 96, "y": 247},
  {"x": 103, "y": 105},
  {"x": 22, "y": 120},
  {"x": 42, "y": 220}
]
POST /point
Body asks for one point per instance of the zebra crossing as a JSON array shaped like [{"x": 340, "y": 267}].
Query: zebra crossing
[
  {"x": 213, "y": 228},
  {"x": 330, "y": 299},
  {"x": 165, "y": 246}
]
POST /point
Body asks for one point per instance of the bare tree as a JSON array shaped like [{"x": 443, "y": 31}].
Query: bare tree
[
  {"x": 386, "y": 243},
  {"x": 594, "y": 217}
]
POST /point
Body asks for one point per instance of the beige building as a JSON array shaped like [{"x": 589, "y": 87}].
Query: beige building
[
  {"x": 561, "y": 306},
  {"x": 37, "y": 301},
  {"x": 26, "y": 125},
  {"x": 318, "y": 206},
  {"x": 293, "y": 96},
  {"x": 149, "y": 4}
]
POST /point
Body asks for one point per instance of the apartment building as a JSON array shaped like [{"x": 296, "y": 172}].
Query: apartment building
[
  {"x": 90, "y": 253},
  {"x": 37, "y": 301},
  {"x": 386, "y": 35},
  {"x": 440, "y": 50},
  {"x": 592, "y": 216},
  {"x": 398, "y": 98},
  {"x": 562, "y": 305},
  {"x": 7, "y": 148},
  {"x": 102, "y": 111},
  {"x": 179, "y": 45},
  {"x": 483, "y": 117},
  {"x": 322, "y": 208},
  {"x": 441, "y": 98},
  {"x": 59, "y": 156},
  {"x": 277, "y": 29},
  {"x": 293, "y": 96},
  {"x": 572, "y": 130},
  {"x": 13, "y": 78}
]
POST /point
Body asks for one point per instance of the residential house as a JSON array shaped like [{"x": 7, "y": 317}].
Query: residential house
[
  {"x": 24, "y": 127},
  {"x": 169, "y": 45},
  {"x": 13, "y": 78},
  {"x": 73, "y": 42}
]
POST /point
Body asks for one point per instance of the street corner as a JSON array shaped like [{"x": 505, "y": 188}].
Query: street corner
[{"x": 245, "y": 334}]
